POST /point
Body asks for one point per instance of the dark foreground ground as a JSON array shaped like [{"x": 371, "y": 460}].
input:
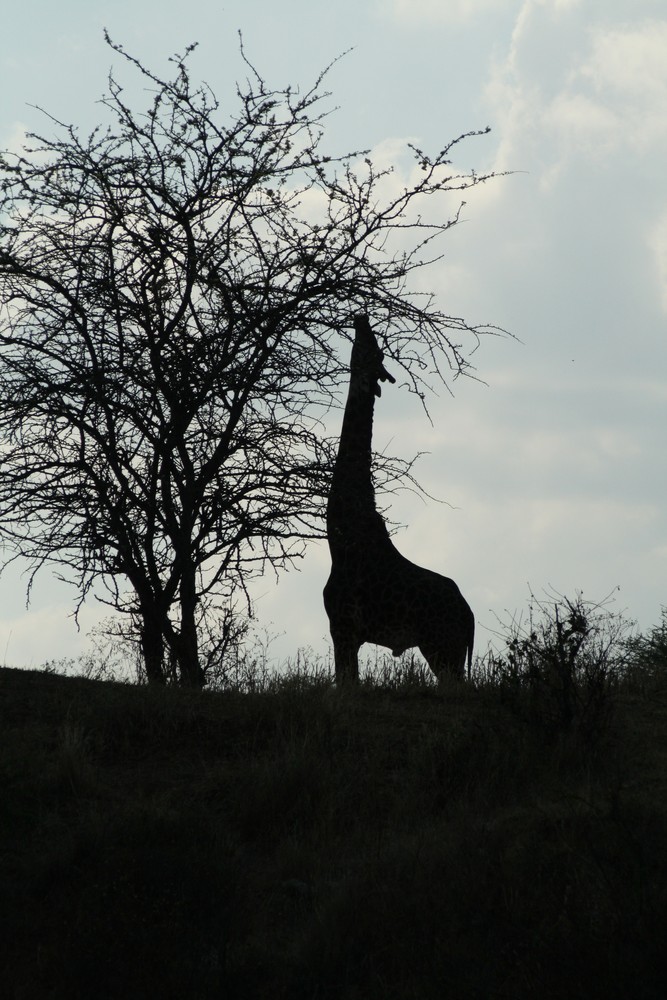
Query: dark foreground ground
[{"x": 305, "y": 843}]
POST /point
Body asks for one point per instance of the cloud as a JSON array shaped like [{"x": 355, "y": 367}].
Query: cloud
[
  {"x": 596, "y": 89},
  {"x": 418, "y": 11},
  {"x": 33, "y": 637},
  {"x": 16, "y": 138},
  {"x": 626, "y": 73},
  {"x": 657, "y": 242},
  {"x": 630, "y": 62},
  {"x": 582, "y": 122}
]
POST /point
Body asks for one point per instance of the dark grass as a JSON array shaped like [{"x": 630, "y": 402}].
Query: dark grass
[{"x": 300, "y": 842}]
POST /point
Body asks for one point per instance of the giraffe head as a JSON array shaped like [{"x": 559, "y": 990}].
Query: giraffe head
[{"x": 366, "y": 368}]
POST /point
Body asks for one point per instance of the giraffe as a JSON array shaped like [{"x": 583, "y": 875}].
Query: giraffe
[{"x": 374, "y": 594}]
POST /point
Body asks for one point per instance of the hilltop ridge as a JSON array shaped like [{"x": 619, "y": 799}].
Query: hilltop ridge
[{"x": 306, "y": 842}]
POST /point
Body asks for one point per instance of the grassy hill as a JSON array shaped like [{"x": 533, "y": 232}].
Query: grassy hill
[{"x": 305, "y": 842}]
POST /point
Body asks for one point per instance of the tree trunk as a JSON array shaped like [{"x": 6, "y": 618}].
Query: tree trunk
[
  {"x": 152, "y": 646},
  {"x": 187, "y": 649}
]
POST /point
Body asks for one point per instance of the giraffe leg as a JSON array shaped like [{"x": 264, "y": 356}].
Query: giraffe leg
[
  {"x": 443, "y": 663},
  {"x": 346, "y": 660}
]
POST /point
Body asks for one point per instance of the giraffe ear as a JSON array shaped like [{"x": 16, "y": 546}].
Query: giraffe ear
[{"x": 385, "y": 376}]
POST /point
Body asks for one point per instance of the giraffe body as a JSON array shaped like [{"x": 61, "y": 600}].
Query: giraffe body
[{"x": 374, "y": 594}]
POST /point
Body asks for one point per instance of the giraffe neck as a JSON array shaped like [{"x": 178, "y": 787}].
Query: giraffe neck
[
  {"x": 354, "y": 527},
  {"x": 352, "y": 473}
]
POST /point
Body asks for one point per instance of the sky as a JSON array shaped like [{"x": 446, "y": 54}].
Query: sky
[{"x": 550, "y": 468}]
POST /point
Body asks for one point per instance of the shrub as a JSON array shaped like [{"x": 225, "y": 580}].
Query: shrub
[
  {"x": 561, "y": 667},
  {"x": 646, "y": 656}
]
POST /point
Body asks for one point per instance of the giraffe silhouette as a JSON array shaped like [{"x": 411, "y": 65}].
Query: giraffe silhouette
[{"x": 374, "y": 594}]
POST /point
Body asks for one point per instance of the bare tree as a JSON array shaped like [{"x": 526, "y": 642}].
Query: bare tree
[{"x": 173, "y": 290}]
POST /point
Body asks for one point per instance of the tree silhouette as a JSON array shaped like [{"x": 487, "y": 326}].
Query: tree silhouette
[{"x": 175, "y": 290}]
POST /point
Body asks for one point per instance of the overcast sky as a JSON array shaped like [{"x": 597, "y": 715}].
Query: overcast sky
[{"x": 554, "y": 470}]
